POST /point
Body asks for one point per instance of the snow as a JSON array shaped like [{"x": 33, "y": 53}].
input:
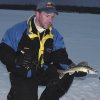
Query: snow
[{"x": 82, "y": 40}]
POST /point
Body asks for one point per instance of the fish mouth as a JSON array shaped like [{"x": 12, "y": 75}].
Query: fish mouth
[{"x": 95, "y": 72}]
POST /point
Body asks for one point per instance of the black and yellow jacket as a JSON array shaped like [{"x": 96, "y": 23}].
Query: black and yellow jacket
[{"x": 47, "y": 47}]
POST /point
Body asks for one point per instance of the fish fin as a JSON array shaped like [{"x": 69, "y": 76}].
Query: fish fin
[{"x": 83, "y": 63}]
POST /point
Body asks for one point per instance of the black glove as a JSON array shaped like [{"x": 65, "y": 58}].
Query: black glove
[
  {"x": 80, "y": 73},
  {"x": 24, "y": 64},
  {"x": 24, "y": 60}
]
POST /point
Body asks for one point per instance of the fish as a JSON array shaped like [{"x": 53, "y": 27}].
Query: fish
[{"x": 78, "y": 68}]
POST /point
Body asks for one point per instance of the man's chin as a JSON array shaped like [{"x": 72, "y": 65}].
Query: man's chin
[{"x": 47, "y": 27}]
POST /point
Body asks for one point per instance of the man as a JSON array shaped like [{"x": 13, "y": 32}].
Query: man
[{"x": 32, "y": 51}]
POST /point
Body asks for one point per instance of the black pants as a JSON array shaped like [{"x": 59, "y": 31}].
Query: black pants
[{"x": 27, "y": 88}]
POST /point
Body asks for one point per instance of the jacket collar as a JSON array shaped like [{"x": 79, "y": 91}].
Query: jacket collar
[{"x": 33, "y": 28}]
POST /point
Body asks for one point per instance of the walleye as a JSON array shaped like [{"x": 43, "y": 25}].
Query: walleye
[{"x": 78, "y": 68}]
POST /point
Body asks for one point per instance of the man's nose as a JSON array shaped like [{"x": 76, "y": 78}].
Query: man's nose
[{"x": 50, "y": 20}]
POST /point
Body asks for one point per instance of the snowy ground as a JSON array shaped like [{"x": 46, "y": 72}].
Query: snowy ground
[{"x": 82, "y": 38}]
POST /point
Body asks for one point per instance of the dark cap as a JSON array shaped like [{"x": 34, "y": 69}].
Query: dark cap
[{"x": 47, "y": 6}]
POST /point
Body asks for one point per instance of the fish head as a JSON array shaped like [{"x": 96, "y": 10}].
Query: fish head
[{"x": 92, "y": 71}]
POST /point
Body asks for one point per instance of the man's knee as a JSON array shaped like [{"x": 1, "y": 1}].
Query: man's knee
[
  {"x": 59, "y": 87},
  {"x": 65, "y": 84}
]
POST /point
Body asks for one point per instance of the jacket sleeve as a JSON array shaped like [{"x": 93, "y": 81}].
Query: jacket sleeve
[
  {"x": 59, "y": 54},
  {"x": 9, "y": 44},
  {"x": 7, "y": 55}
]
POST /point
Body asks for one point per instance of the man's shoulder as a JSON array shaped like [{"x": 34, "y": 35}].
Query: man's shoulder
[{"x": 56, "y": 32}]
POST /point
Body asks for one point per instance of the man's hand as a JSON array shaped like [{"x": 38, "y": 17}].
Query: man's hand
[
  {"x": 24, "y": 60},
  {"x": 24, "y": 64},
  {"x": 80, "y": 74}
]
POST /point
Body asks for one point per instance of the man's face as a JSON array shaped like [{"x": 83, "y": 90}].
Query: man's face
[{"x": 44, "y": 19}]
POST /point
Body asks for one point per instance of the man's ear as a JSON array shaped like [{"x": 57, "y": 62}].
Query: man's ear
[{"x": 37, "y": 14}]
